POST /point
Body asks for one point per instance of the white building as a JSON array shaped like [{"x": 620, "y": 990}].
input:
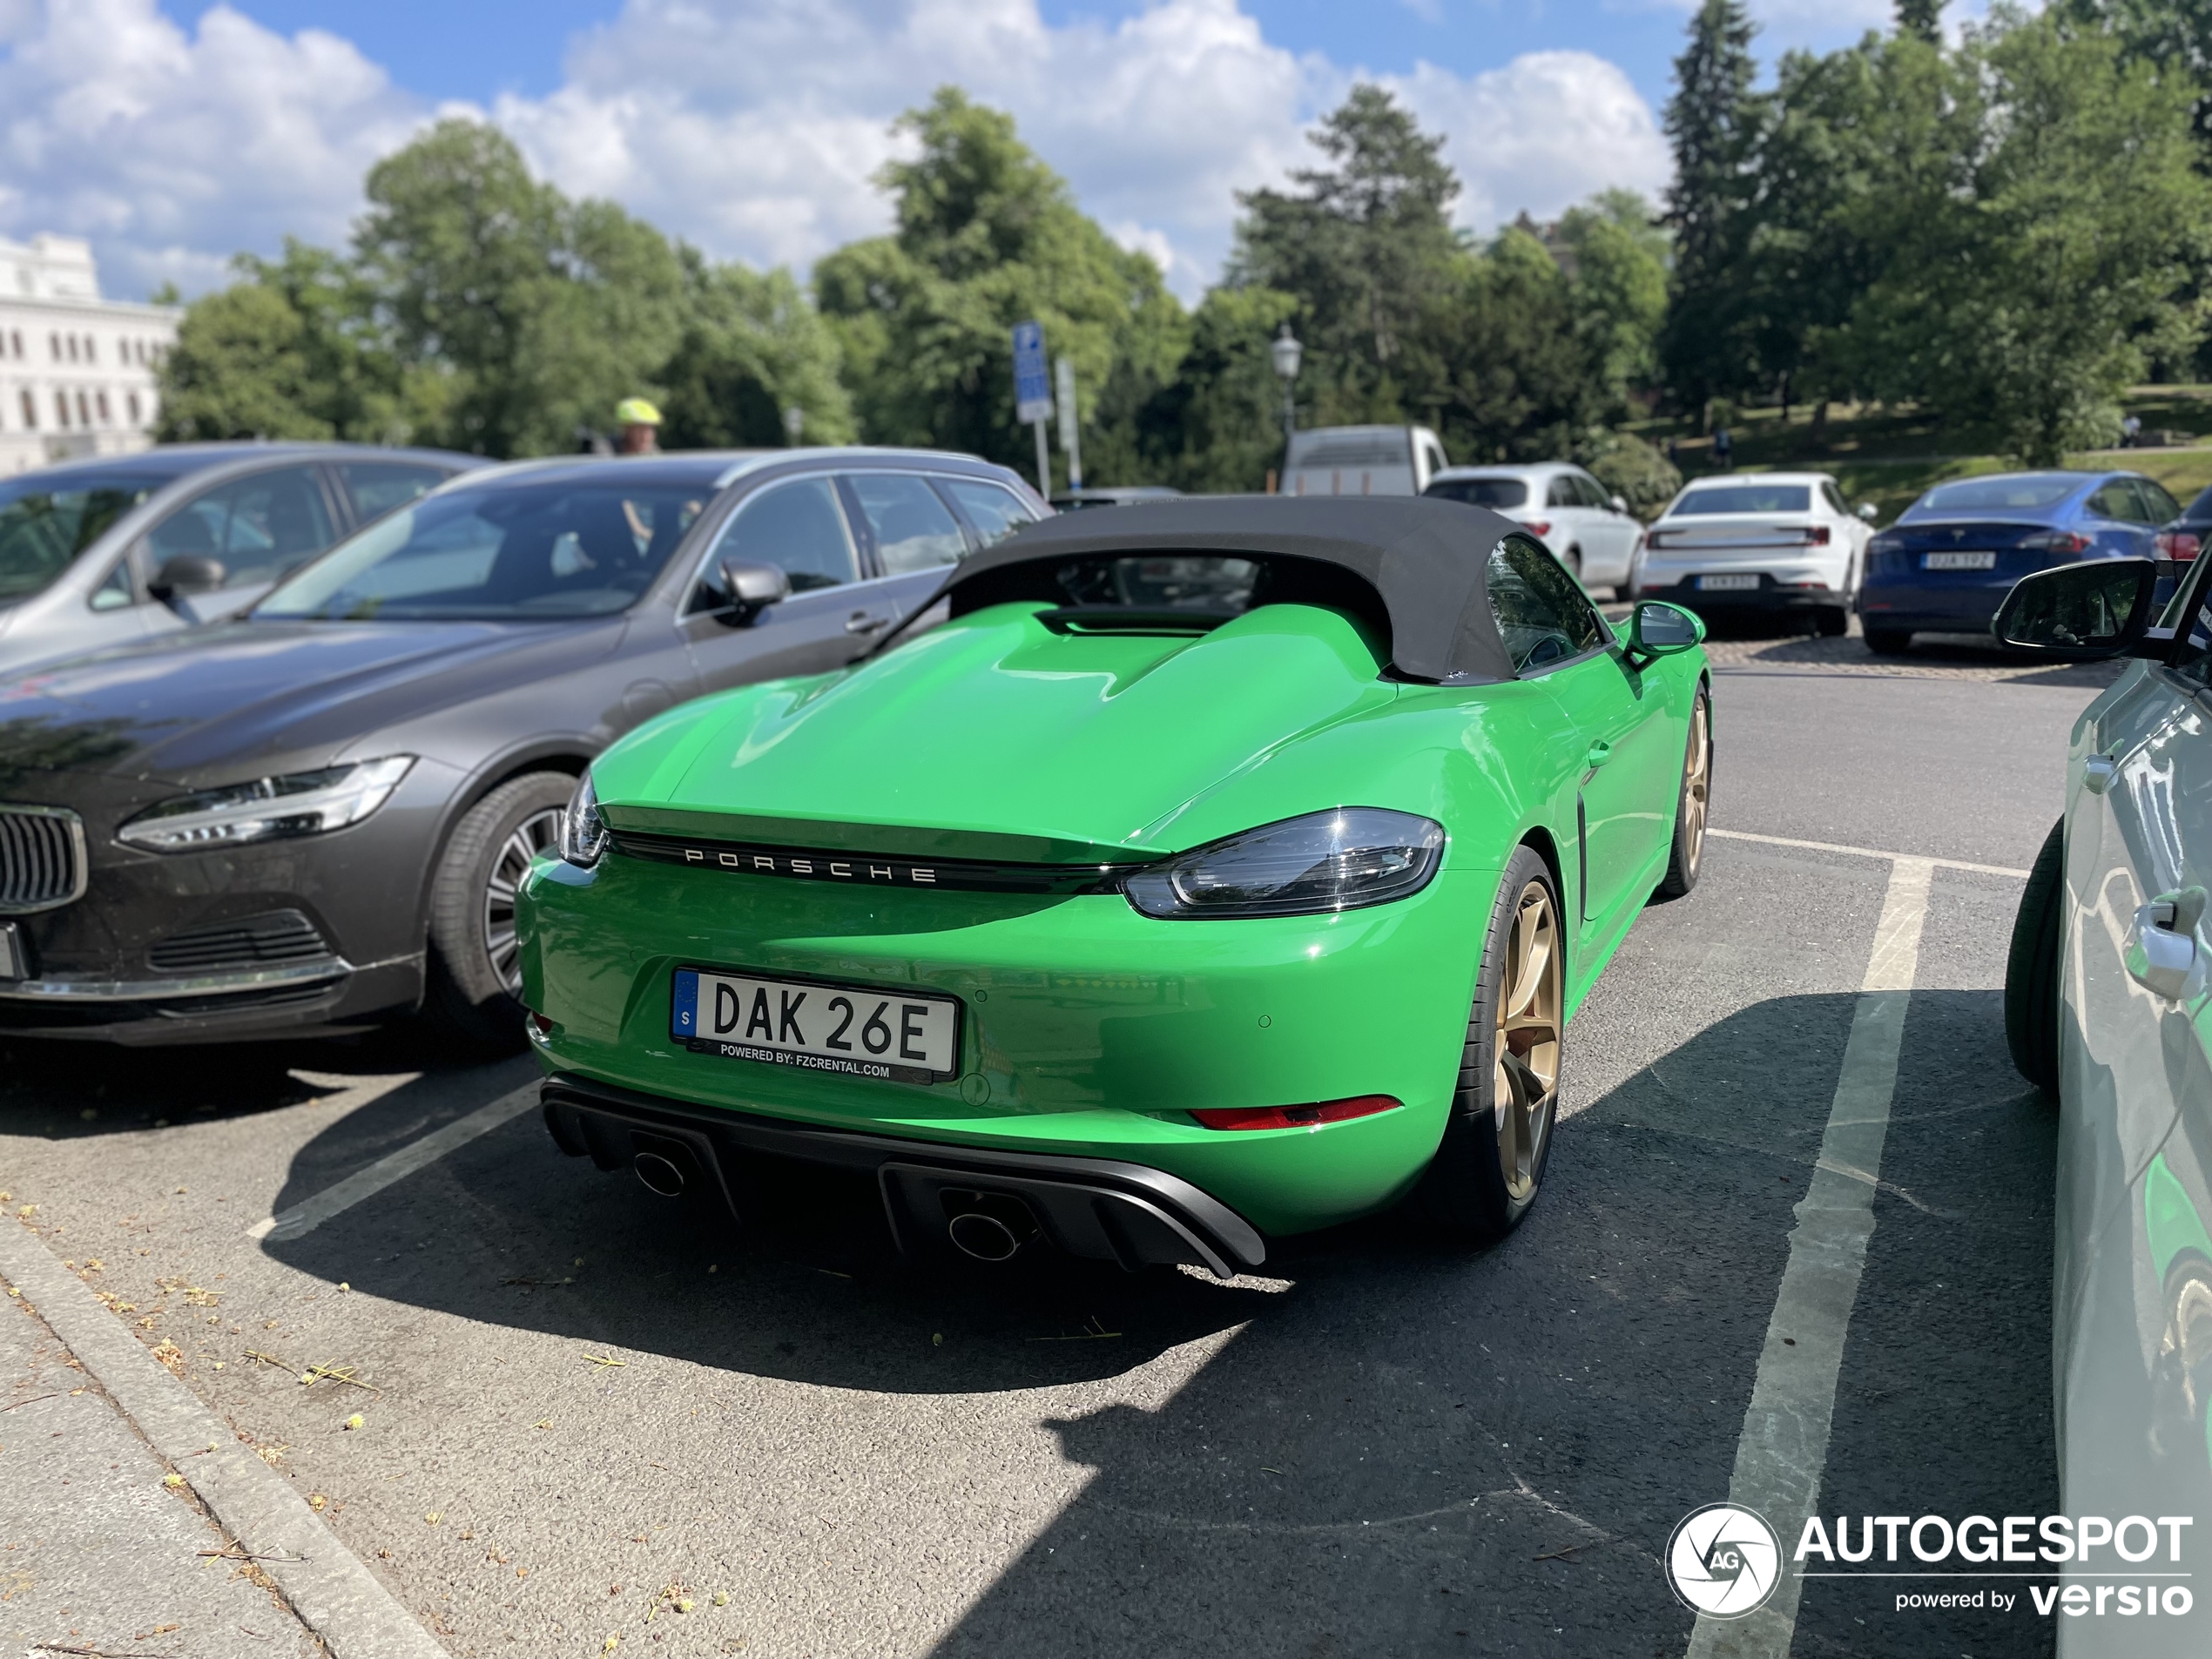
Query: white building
[{"x": 77, "y": 372}]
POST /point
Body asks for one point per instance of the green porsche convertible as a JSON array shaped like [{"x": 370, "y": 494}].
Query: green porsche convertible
[{"x": 1179, "y": 876}]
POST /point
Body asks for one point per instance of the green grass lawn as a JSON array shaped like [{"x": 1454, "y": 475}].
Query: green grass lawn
[{"x": 1889, "y": 456}]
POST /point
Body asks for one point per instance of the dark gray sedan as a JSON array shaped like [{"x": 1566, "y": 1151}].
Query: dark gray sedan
[{"x": 314, "y": 816}]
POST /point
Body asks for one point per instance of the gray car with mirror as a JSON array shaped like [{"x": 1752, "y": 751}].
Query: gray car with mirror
[
  {"x": 107, "y": 552},
  {"x": 314, "y": 816}
]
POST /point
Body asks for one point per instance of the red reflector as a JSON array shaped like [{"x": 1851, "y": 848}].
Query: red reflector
[
  {"x": 1328, "y": 1111},
  {"x": 545, "y": 1025},
  {"x": 2181, "y": 546},
  {"x": 1816, "y": 536},
  {"x": 1537, "y": 526}
]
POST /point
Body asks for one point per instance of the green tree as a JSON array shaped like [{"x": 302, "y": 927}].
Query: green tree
[
  {"x": 1215, "y": 426},
  {"x": 1520, "y": 380},
  {"x": 291, "y": 350},
  {"x": 1921, "y": 17},
  {"x": 988, "y": 236},
  {"x": 751, "y": 347},
  {"x": 1715, "y": 123},
  {"x": 1365, "y": 245},
  {"x": 2030, "y": 297},
  {"x": 539, "y": 314},
  {"x": 1618, "y": 287}
]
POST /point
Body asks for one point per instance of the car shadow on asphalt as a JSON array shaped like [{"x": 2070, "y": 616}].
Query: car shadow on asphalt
[{"x": 1392, "y": 1447}]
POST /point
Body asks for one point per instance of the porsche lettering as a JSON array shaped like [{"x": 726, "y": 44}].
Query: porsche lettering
[{"x": 814, "y": 867}]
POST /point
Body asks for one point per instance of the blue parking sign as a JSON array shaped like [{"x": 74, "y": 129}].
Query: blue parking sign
[{"x": 1032, "y": 383}]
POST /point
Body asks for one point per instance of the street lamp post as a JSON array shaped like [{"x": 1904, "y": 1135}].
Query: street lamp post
[
  {"x": 1287, "y": 352},
  {"x": 794, "y": 422}
]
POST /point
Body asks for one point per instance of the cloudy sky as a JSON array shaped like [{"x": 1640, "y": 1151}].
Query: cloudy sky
[{"x": 174, "y": 133}]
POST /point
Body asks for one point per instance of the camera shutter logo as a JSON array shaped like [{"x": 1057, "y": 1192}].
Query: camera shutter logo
[{"x": 1723, "y": 1561}]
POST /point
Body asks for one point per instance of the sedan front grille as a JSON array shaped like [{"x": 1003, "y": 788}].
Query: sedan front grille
[
  {"x": 278, "y": 937},
  {"x": 41, "y": 859}
]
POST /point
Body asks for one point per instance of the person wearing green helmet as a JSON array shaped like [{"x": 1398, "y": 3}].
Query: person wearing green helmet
[{"x": 639, "y": 424}]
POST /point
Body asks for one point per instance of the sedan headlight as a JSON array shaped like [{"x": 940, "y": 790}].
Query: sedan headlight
[
  {"x": 583, "y": 833},
  {"x": 268, "y": 809},
  {"x": 1334, "y": 861}
]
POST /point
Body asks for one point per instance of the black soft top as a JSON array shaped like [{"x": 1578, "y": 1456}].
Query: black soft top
[{"x": 1416, "y": 566}]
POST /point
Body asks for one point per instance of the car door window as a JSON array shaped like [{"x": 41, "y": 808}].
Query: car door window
[
  {"x": 2156, "y": 506},
  {"x": 912, "y": 528},
  {"x": 375, "y": 488},
  {"x": 1835, "y": 502},
  {"x": 2116, "y": 500},
  {"x": 1542, "y": 616},
  {"x": 797, "y": 527},
  {"x": 1563, "y": 493},
  {"x": 995, "y": 511},
  {"x": 1593, "y": 493},
  {"x": 259, "y": 527}
]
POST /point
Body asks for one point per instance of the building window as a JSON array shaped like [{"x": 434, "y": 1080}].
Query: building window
[
  {"x": 69, "y": 340},
  {"x": 84, "y": 410},
  {"x": 30, "y": 412},
  {"x": 61, "y": 410},
  {"x": 100, "y": 400},
  {"x": 18, "y": 340},
  {"x": 91, "y": 349},
  {"x": 54, "y": 346},
  {"x": 132, "y": 403}
]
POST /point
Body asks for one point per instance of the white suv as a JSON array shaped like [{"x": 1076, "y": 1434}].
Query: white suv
[
  {"x": 1758, "y": 541},
  {"x": 1589, "y": 530}
]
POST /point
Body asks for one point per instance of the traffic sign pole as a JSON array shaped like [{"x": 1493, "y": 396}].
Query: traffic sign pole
[
  {"x": 1070, "y": 434},
  {"x": 1033, "y": 394}
]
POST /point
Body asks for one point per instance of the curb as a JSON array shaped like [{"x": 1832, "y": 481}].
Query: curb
[{"x": 340, "y": 1600}]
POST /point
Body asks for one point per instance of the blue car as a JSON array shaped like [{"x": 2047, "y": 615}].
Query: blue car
[{"x": 1953, "y": 556}]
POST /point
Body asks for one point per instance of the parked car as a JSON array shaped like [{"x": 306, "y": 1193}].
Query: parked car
[
  {"x": 1765, "y": 541},
  {"x": 1954, "y": 554},
  {"x": 316, "y": 815},
  {"x": 2105, "y": 1006},
  {"x": 1055, "y": 961},
  {"x": 1588, "y": 529},
  {"x": 2180, "y": 543},
  {"x": 103, "y": 552},
  {"x": 1072, "y": 501},
  {"x": 1362, "y": 460}
]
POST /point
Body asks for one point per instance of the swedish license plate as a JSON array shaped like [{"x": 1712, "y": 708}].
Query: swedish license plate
[
  {"x": 857, "y": 1030},
  {"x": 1958, "y": 560},
  {"x": 1728, "y": 584}
]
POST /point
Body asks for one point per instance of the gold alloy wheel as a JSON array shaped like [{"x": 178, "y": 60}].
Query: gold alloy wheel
[
  {"x": 1697, "y": 786},
  {"x": 1525, "y": 1081}
]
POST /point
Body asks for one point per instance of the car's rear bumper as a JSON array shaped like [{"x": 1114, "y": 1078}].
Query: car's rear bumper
[
  {"x": 1107, "y": 1209},
  {"x": 1959, "y": 610},
  {"x": 1769, "y": 595}
]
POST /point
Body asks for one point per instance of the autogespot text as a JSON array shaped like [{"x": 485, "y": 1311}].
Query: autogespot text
[{"x": 2130, "y": 1566}]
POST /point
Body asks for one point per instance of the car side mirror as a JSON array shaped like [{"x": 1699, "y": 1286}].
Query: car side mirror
[
  {"x": 2081, "y": 612},
  {"x": 1657, "y": 630},
  {"x": 1619, "y": 504},
  {"x": 748, "y": 589},
  {"x": 1867, "y": 511},
  {"x": 185, "y": 574}
]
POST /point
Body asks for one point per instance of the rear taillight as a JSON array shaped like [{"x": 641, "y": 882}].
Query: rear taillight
[
  {"x": 2057, "y": 541},
  {"x": 1537, "y": 526},
  {"x": 2181, "y": 546},
  {"x": 1327, "y": 1111},
  {"x": 1817, "y": 535}
]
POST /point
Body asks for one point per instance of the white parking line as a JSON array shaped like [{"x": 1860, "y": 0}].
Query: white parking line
[
  {"x": 311, "y": 1212},
  {"x": 1869, "y": 853},
  {"x": 1784, "y": 1448}
]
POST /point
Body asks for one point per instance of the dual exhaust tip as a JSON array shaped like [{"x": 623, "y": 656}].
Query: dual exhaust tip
[{"x": 985, "y": 1226}]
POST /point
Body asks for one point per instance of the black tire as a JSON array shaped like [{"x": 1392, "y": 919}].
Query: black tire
[
  {"x": 1888, "y": 642},
  {"x": 1691, "y": 805},
  {"x": 2031, "y": 966},
  {"x": 1832, "y": 621},
  {"x": 1465, "y": 1195},
  {"x": 471, "y": 994}
]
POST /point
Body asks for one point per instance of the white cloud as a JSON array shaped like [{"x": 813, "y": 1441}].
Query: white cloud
[
  {"x": 171, "y": 151},
  {"x": 1541, "y": 133},
  {"x": 752, "y": 130}
]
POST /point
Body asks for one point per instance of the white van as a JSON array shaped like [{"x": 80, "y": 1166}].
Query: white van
[{"x": 1362, "y": 460}]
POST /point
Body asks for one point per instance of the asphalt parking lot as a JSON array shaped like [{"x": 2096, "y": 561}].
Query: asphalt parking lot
[{"x": 588, "y": 1422}]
